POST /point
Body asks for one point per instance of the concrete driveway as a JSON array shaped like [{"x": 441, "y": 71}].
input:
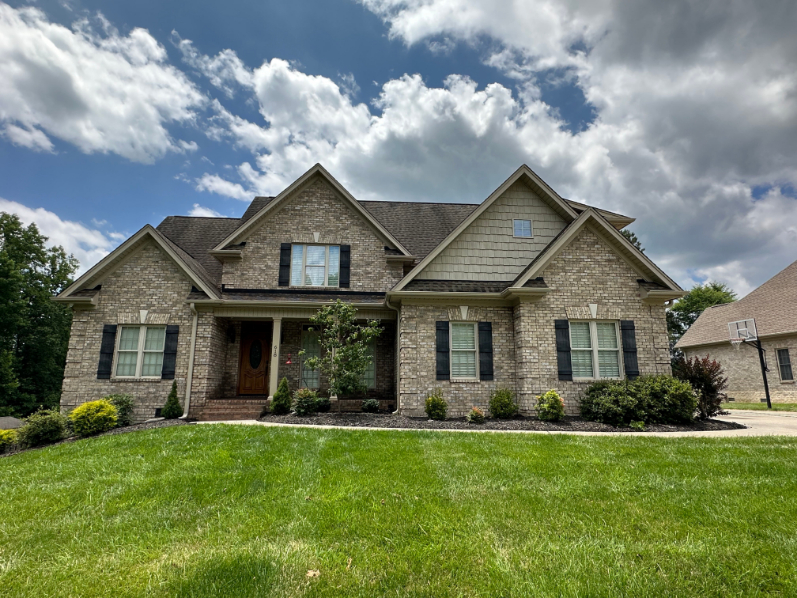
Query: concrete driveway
[{"x": 759, "y": 423}]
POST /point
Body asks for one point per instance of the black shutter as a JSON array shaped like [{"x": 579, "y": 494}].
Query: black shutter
[
  {"x": 443, "y": 363},
  {"x": 485, "y": 350},
  {"x": 170, "y": 353},
  {"x": 563, "y": 349},
  {"x": 628, "y": 333},
  {"x": 106, "y": 352},
  {"x": 285, "y": 265},
  {"x": 345, "y": 266}
]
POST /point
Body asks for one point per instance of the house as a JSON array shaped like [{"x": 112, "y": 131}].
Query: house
[
  {"x": 773, "y": 306},
  {"x": 526, "y": 290}
]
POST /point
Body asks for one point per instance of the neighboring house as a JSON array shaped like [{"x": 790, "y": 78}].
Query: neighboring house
[
  {"x": 773, "y": 305},
  {"x": 526, "y": 290}
]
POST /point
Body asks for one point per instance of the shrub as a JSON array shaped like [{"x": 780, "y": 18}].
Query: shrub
[
  {"x": 43, "y": 427},
  {"x": 172, "y": 408},
  {"x": 502, "y": 404},
  {"x": 476, "y": 416},
  {"x": 281, "y": 401},
  {"x": 305, "y": 401},
  {"x": 93, "y": 418},
  {"x": 370, "y": 406},
  {"x": 323, "y": 404},
  {"x": 124, "y": 408},
  {"x": 638, "y": 426},
  {"x": 706, "y": 377},
  {"x": 436, "y": 406},
  {"x": 550, "y": 406},
  {"x": 8, "y": 438}
]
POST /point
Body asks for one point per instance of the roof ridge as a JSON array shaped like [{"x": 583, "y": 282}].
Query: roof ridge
[
  {"x": 205, "y": 217},
  {"x": 434, "y": 203}
]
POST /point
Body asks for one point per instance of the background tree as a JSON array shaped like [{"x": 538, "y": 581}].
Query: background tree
[
  {"x": 344, "y": 348},
  {"x": 632, "y": 238},
  {"x": 34, "y": 331},
  {"x": 689, "y": 307}
]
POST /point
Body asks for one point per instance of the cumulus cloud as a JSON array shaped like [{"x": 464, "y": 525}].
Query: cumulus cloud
[
  {"x": 202, "y": 211},
  {"x": 88, "y": 245},
  {"x": 100, "y": 91}
]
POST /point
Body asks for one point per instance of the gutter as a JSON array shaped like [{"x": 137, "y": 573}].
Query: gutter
[{"x": 189, "y": 381}]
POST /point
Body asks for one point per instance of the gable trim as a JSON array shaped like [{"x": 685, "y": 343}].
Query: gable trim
[
  {"x": 106, "y": 264},
  {"x": 247, "y": 227},
  {"x": 637, "y": 260},
  {"x": 524, "y": 172}
]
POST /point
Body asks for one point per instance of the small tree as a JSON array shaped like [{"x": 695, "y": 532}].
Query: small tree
[
  {"x": 281, "y": 402},
  {"x": 344, "y": 347},
  {"x": 172, "y": 408},
  {"x": 706, "y": 377}
]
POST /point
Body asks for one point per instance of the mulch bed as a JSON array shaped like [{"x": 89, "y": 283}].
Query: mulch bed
[{"x": 569, "y": 424}]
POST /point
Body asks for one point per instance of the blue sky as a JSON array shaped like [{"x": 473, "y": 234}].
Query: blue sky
[{"x": 118, "y": 114}]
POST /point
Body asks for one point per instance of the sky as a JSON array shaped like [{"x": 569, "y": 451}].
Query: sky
[{"x": 680, "y": 114}]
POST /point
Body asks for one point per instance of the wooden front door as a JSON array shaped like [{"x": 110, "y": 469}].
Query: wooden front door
[{"x": 255, "y": 351}]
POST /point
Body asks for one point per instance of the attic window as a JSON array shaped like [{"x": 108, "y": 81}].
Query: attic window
[{"x": 522, "y": 228}]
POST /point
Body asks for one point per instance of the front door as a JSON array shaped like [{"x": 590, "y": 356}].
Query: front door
[{"x": 252, "y": 376}]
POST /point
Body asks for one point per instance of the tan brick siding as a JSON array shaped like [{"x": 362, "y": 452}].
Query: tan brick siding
[
  {"x": 488, "y": 250},
  {"x": 316, "y": 209},
  {"x": 742, "y": 367},
  {"x": 147, "y": 280}
]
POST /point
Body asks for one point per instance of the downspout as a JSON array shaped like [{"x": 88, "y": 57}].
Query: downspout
[
  {"x": 190, "y": 363},
  {"x": 398, "y": 351}
]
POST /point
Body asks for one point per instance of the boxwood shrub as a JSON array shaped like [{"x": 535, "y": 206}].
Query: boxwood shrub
[
  {"x": 43, "y": 427},
  {"x": 8, "y": 438},
  {"x": 305, "y": 401},
  {"x": 436, "y": 406},
  {"x": 93, "y": 418},
  {"x": 124, "y": 408},
  {"x": 370, "y": 406},
  {"x": 550, "y": 406},
  {"x": 502, "y": 404}
]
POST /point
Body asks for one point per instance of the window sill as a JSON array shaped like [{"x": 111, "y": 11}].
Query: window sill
[
  {"x": 310, "y": 287},
  {"x": 132, "y": 379},
  {"x": 595, "y": 379},
  {"x": 465, "y": 380},
  {"x": 787, "y": 381}
]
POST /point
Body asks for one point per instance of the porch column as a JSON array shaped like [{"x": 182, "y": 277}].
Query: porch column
[{"x": 273, "y": 377}]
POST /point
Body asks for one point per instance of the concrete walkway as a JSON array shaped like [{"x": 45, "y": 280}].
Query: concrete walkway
[{"x": 759, "y": 423}]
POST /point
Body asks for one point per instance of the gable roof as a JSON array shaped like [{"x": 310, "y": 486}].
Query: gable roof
[
  {"x": 773, "y": 305},
  {"x": 250, "y": 224},
  {"x": 589, "y": 217},
  {"x": 195, "y": 272}
]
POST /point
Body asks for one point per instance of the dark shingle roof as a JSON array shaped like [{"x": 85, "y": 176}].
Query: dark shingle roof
[
  {"x": 457, "y": 286},
  {"x": 197, "y": 236},
  {"x": 258, "y": 203}
]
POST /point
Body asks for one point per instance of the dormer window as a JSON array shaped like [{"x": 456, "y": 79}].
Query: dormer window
[
  {"x": 522, "y": 228},
  {"x": 315, "y": 265}
]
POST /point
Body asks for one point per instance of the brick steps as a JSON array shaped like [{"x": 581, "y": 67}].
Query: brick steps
[{"x": 232, "y": 409}]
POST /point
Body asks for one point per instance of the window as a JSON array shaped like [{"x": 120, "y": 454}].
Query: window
[
  {"x": 369, "y": 377},
  {"x": 140, "y": 352},
  {"x": 522, "y": 228},
  {"x": 463, "y": 350},
  {"x": 312, "y": 347},
  {"x": 315, "y": 265},
  {"x": 594, "y": 343},
  {"x": 784, "y": 365}
]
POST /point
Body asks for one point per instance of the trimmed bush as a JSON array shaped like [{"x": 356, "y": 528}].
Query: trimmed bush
[
  {"x": 476, "y": 416},
  {"x": 436, "y": 406},
  {"x": 649, "y": 399},
  {"x": 305, "y": 401},
  {"x": 43, "y": 427},
  {"x": 93, "y": 418},
  {"x": 323, "y": 404},
  {"x": 370, "y": 406},
  {"x": 550, "y": 406},
  {"x": 8, "y": 439},
  {"x": 172, "y": 409},
  {"x": 502, "y": 404},
  {"x": 706, "y": 377},
  {"x": 281, "y": 401},
  {"x": 124, "y": 408}
]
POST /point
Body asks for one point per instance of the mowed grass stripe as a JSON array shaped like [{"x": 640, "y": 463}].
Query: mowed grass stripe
[{"x": 247, "y": 511}]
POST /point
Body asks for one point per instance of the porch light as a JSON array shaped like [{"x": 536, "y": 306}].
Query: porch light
[{"x": 289, "y": 360}]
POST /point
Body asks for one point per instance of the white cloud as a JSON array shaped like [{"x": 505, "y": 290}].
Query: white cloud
[
  {"x": 88, "y": 245},
  {"x": 225, "y": 70},
  {"x": 216, "y": 184},
  {"x": 198, "y": 210},
  {"x": 101, "y": 92}
]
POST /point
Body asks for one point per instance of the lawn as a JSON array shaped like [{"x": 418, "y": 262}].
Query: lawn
[
  {"x": 761, "y": 406},
  {"x": 247, "y": 511}
]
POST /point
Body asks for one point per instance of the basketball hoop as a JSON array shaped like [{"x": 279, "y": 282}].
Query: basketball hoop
[
  {"x": 744, "y": 331},
  {"x": 737, "y": 342}
]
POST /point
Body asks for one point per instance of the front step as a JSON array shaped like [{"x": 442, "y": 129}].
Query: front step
[{"x": 231, "y": 409}]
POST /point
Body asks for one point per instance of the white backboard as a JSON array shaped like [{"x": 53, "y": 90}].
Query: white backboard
[{"x": 743, "y": 330}]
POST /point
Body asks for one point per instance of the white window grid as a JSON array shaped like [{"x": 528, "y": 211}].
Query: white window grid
[
  {"x": 474, "y": 350},
  {"x": 522, "y": 228},
  {"x": 140, "y": 351},
  {"x": 595, "y": 349},
  {"x": 303, "y": 273}
]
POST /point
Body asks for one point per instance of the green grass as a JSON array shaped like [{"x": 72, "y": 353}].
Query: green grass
[
  {"x": 247, "y": 511},
  {"x": 761, "y": 406}
]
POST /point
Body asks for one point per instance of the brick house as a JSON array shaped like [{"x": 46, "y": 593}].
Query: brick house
[
  {"x": 773, "y": 305},
  {"x": 526, "y": 290}
]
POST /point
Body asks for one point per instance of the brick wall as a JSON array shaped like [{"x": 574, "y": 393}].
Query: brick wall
[
  {"x": 147, "y": 280},
  {"x": 318, "y": 208},
  {"x": 745, "y": 383}
]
